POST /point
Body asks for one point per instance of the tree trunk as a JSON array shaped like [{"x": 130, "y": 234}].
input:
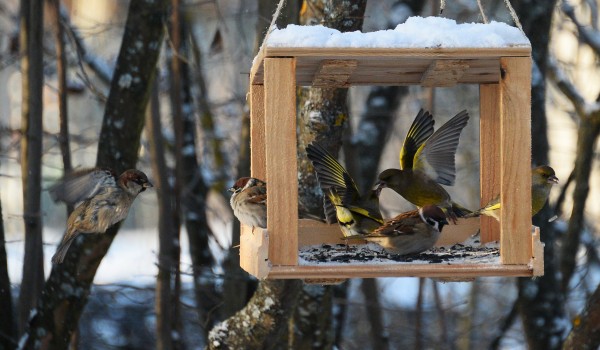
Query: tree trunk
[
  {"x": 31, "y": 45},
  {"x": 542, "y": 325},
  {"x": 262, "y": 322},
  {"x": 585, "y": 334},
  {"x": 587, "y": 134},
  {"x": 167, "y": 226},
  {"x": 66, "y": 290},
  {"x": 8, "y": 331},
  {"x": 379, "y": 335},
  {"x": 61, "y": 76}
]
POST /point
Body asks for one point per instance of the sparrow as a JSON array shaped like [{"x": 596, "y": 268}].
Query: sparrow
[
  {"x": 426, "y": 161},
  {"x": 410, "y": 232},
  {"x": 542, "y": 180},
  {"x": 356, "y": 214},
  {"x": 249, "y": 201},
  {"x": 101, "y": 197}
]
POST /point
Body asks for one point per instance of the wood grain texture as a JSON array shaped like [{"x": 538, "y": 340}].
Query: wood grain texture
[
  {"x": 254, "y": 249},
  {"x": 281, "y": 162},
  {"x": 444, "y": 73},
  {"x": 400, "y": 66},
  {"x": 538, "y": 253},
  {"x": 334, "y": 73},
  {"x": 515, "y": 160},
  {"x": 258, "y": 165},
  {"x": 489, "y": 155},
  {"x": 398, "y": 270}
]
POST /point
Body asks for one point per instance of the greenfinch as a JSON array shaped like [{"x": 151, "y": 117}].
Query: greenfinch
[
  {"x": 411, "y": 232},
  {"x": 542, "y": 180},
  {"x": 356, "y": 214},
  {"x": 426, "y": 161}
]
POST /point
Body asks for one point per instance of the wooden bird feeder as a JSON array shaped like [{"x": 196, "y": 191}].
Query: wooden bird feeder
[{"x": 504, "y": 78}]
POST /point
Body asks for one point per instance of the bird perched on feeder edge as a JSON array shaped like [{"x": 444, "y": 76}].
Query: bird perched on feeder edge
[
  {"x": 355, "y": 214},
  {"x": 542, "y": 179},
  {"x": 426, "y": 161},
  {"x": 249, "y": 201},
  {"x": 104, "y": 200}
]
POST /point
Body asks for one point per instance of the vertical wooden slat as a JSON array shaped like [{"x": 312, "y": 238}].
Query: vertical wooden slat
[
  {"x": 281, "y": 162},
  {"x": 489, "y": 154},
  {"x": 515, "y": 160},
  {"x": 258, "y": 166}
]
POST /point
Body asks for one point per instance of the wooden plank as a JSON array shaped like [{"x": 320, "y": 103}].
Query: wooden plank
[
  {"x": 334, "y": 73},
  {"x": 538, "y": 253},
  {"x": 515, "y": 160},
  {"x": 489, "y": 155},
  {"x": 258, "y": 166},
  {"x": 393, "y": 71},
  {"x": 254, "y": 248},
  {"x": 339, "y": 271},
  {"x": 444, "y": 73},
  {"x": 281, "y": 160}
]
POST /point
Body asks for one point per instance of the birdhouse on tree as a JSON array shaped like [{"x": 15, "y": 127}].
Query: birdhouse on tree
[{"x": 429, "y": 52}]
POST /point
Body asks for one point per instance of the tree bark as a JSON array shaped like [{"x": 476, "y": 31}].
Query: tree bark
[
  {"x": 66, "y": 290},
  {"x": 262, "y": 321},
  {"x": 587, "y": 134},
  {"x": 585, "y": 334},
  {"x": 31, "y": 44},
  {"x": 61, "y": 77},
  {"x": 379, "y": 335}
]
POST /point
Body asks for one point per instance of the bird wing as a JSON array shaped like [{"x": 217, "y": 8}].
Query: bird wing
[
  {"x": 330, "y": 172},
  {"x": 82, "y": 184},
  {"x": 401, "y": 225},
  {"x": 436, "y": 156},
  {"x": 420, "y": 130},
  {"x": 257, "y": 195}
]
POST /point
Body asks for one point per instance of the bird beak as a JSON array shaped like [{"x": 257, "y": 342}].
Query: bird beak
[
  {"x": 553, "y": 180},
  {"x": 231, "y": 189},
  {"x": 147, "y": 185}
]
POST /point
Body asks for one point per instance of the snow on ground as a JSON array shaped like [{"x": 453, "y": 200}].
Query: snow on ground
[
  {"x": 132, "y": 257},
  {"x": 416, "y": 32}
]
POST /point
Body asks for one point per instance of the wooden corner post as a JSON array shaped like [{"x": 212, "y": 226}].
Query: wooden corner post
[
  {"x": 281, "y": 160},
  {"x": 489, "y": 156},
  {"x": 515, "y": 160}
]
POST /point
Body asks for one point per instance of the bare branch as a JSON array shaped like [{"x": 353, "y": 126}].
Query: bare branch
[
  {"x": 589, "y": 35},
  {"x": 583, "y": 108}
]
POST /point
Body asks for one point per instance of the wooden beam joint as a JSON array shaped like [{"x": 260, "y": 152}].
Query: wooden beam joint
[
  {"x": 334, "y": 73},
  {"x": 444, "y": 72}
]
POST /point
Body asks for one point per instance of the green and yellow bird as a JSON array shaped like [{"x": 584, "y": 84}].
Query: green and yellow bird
[
  {"x": 542, "y": 179},
  {"x": 356, "y": 214},
  {"x": 426, "y": 161}
]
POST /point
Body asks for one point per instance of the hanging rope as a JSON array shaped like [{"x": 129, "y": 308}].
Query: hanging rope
[
  {"x": 513, "y": 14},
  {"x": 483, "y": 16},
  {"x": 273, "y": 20}
]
